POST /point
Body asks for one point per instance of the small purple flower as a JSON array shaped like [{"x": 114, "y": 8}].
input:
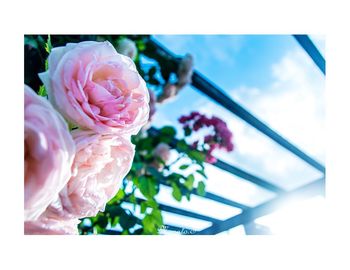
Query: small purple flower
[{"x": 221, "y": 139}]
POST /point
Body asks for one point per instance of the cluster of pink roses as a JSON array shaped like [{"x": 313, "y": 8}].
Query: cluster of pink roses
[
  {"x": 222, "y": 137},
  {"x": 72, "y": 174}
]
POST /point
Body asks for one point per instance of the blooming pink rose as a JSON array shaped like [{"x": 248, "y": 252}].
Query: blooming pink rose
[
  {"x": 96, "y": 88},
  {"x": 101, "y": 162},
  {"x": 162, "y": 151},
  {"x": 48, "y": 154},
  {"x": 45, "y": 225}
]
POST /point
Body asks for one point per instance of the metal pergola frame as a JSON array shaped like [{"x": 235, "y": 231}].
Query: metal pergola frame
[{"x": 248, "y": 214}]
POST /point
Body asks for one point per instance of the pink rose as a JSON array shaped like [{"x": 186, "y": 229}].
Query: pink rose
[
  {"x": 162, "y": 151},
  {"x": 96, "y": 88},
  {"x": 48, "y": 154},
  {"x": 45, "y": 225},
  {"x": 101, "y": 162}
]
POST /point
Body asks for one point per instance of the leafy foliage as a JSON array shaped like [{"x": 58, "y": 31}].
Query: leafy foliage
[
  {"x": 127, "y": 213},
  {"x": 146, "y": 176},
  {"x": 42, "y": 91}
]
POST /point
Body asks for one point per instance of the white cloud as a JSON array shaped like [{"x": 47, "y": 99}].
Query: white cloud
[
  {"x": 293, "y": 105},
  {"x": 232, "y": 187}
]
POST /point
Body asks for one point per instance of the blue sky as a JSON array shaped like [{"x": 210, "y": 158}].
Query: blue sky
[{"x": 271, "y": 76}]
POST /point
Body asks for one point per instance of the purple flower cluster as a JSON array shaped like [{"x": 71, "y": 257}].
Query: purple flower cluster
[{"x": 221, "y": 139}]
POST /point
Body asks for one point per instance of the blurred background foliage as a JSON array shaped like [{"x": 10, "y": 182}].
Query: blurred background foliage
[{"x": 150, "y": 167}]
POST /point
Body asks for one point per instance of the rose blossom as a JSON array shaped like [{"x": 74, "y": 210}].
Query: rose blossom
[
  {"x": 162, "y": 151},
  {"x": 48, "y": 154},
  {"x": 96, "y": 88},
  {"x": 52, "y": 226},
  {"x": 127, "y": 47},
  {"x": 101, "y": 162}
]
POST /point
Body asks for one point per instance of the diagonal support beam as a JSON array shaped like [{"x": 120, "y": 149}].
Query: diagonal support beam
[
  {"x": 165, "y": 226},
  {"x": 247, "y": 176},
  {"x": 214, "y": 92},
  {"x": 214, "y": 197},
  {"x": 310, "y": 48},
  {"x": 315, "y": 188},
  {"x": 235, "y": 170},
  {"x": 181, "y": 212}
]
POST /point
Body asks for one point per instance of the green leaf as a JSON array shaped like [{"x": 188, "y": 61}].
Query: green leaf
[
  {"x": 152, "y": 221},
  {"x": 157, "y": 217},
  {"x": 189, "y": 182},
  {"x": 148, "y": 186},
  {"x": 148, "y": 224},
  {"x": 140, "y": 44},
  {"x": 201, "y": 188},
  {"x": 115, "y": 221},
  {"x": 135, "y": 180},
  {"x": 155, "y": 173},
  {"x": 125, "y": 232},
  {"x": 137, "y": 165},
  {"x": 48, "y": 45},
  {"x": 46, "y": 64},
  {"x": 41, "y": 41},
  {"x": 28, "y": 40},
  {"x": 114, "y": 210},
  {"x": 143, "y": 207},
  {"x": 42, "y": 91},
  {"x": 188, "y": 131},
  {"x": 184, "y": 167},
  {"x": 168, "y": 131},
  {"x": 202, "y": 172},
  {"x": 145, "y": 144},
  {"x": 102, "y": 221},
  {"x": 182, "y": 146},
  {"x": 176, "y": 192},
  {"x": 127, "y": 221},
  {"x": 199, "y": 156},
  {"x": 152, "y": 204},
  {"x": 174, "y": 177},
  {"x": 98, "y": 230},
  {"x": 133, "y": 198},
  {"x": 119, "y": 196}
]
